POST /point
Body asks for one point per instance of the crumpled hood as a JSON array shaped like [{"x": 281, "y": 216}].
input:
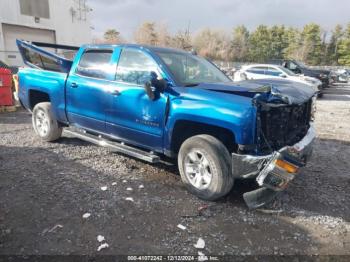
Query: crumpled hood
[{"x": 267, "y": 90}]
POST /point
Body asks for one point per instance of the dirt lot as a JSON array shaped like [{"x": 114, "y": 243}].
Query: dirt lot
[{"x": 45, "y": 188}]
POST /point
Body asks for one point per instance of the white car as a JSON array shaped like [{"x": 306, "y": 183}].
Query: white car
[{"x": 263, "y": 71}]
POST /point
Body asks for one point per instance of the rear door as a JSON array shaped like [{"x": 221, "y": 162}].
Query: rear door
[
  {"x": 88, "y": 89},
  {"x": 134, "y": 117}
]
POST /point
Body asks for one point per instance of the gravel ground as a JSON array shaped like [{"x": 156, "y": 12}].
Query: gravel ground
[{"x": 45, "y": 188}]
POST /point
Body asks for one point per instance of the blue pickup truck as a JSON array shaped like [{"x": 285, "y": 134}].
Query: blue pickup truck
[{"x": 157, "y": 103}]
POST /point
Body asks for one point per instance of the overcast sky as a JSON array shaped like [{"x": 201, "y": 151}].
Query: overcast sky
[{"x": 126, "y": 15}]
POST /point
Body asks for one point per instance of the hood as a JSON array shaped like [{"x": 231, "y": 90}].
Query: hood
[
  {"x": 310, "y": 79},
  {"x": 267, "y": 90},
  {"x": 315, "y": 72}
]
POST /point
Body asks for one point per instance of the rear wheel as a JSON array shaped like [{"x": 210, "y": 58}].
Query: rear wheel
[
  {"x": 44, "y": 122},
  {"x": 205, "y": 167}
]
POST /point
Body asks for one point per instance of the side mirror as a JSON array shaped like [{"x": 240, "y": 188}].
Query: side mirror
[
  {"x": 283, "y": 75},
  {"x": 150, "y": 90},
  {"x": 154, "y": 85},
  {"x": 161, "y": 85}
]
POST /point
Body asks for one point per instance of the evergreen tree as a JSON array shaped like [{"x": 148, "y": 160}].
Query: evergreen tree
[
  {"x": 344, "y": 48},
  {"x": 332, "y": 48},
  {"x": 312, "y": 44},
  {"x": 239, "y": 44},
  {"x": 278, "y": 41},
  {"x": 260, "y": 44},
  {"x": 294, "y": 42},
  {"x": 112, "y": 36}
]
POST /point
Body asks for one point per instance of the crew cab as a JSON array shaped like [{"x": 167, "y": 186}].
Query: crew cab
[
  {"x": 300, "y": 68},
  {"x": 157, "y": 103}
]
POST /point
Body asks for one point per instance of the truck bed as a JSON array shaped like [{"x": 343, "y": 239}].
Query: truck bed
[{"x": 33, "y": 80}]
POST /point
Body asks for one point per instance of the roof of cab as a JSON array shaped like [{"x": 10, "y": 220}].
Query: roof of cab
[
  {"x": 261, "y": 65},
  {"x": 148, "y": 47}
]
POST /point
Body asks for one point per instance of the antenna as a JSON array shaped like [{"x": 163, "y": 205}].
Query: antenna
[{"x": 187, "y": 32}]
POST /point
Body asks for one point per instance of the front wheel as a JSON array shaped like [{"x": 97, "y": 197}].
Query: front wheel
[
  {"x": 205, "y": 167},
  {"x": 44, "y": 122}
]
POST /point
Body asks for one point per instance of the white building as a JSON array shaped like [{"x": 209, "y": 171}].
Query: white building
[{"x": 51, "y": 21}]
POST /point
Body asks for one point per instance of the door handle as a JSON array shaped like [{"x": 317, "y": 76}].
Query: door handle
[
  {"x": 74, "y": 85},
  {"x": 115, "y": 93}
]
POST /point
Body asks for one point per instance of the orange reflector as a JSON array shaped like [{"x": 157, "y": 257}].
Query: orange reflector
[{"x": 286, "y": 166}]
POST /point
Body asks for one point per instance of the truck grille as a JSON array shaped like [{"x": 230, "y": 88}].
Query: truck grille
[{"x": 283, "y": 125}]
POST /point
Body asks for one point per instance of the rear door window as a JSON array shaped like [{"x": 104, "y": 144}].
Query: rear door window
[
  {"x": 273, "y": 71},
  {"x": 96, "y": 64}
]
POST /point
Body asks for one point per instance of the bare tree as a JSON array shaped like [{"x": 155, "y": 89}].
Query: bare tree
[
  {"x": 164, "y": 37},
  {"x": 182, "y": 40},
  {"x": 146, "y": 34},
  {"x": 213, "y": 44}
]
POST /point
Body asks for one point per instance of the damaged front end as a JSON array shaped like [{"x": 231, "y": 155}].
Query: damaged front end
[{"x": 284, "y": 139}]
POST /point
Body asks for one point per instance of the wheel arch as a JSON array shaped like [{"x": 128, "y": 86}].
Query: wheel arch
[
  {"x": 36, "y": 96},
  {"x": 184, "y": 128}
]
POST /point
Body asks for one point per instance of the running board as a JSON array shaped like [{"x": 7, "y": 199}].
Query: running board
[{"x": 114, "y": 146}]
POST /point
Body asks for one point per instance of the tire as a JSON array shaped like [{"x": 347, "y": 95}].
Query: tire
[
  {"x": 44, "y": 123},
  {"x": 216, "y": 164}
]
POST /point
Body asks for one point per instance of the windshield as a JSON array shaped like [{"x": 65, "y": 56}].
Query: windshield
[
  {"x": 286, "y": 71},
  {"x": 300, "y": 64},
  {"x": 191, "y": 70}
]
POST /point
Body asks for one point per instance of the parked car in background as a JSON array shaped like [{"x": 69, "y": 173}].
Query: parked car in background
[
  {"x": 264, "y": 71},
  {"x": 340, "y": 76},
  {"x": 299, "y": 68}
]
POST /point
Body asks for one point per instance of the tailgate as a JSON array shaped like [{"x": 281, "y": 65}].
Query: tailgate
[{"x": 35, "y": 56}]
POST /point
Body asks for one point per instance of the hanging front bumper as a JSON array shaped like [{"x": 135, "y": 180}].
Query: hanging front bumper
[{"x": 273, "y": 172}]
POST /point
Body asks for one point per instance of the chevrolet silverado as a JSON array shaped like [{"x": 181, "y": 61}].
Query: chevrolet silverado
[{"x": 157, "y": 103}]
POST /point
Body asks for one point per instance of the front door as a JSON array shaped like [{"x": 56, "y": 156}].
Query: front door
[
  {"x": 88, "y": 97},
  {"x": 134, "y": 117}
]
